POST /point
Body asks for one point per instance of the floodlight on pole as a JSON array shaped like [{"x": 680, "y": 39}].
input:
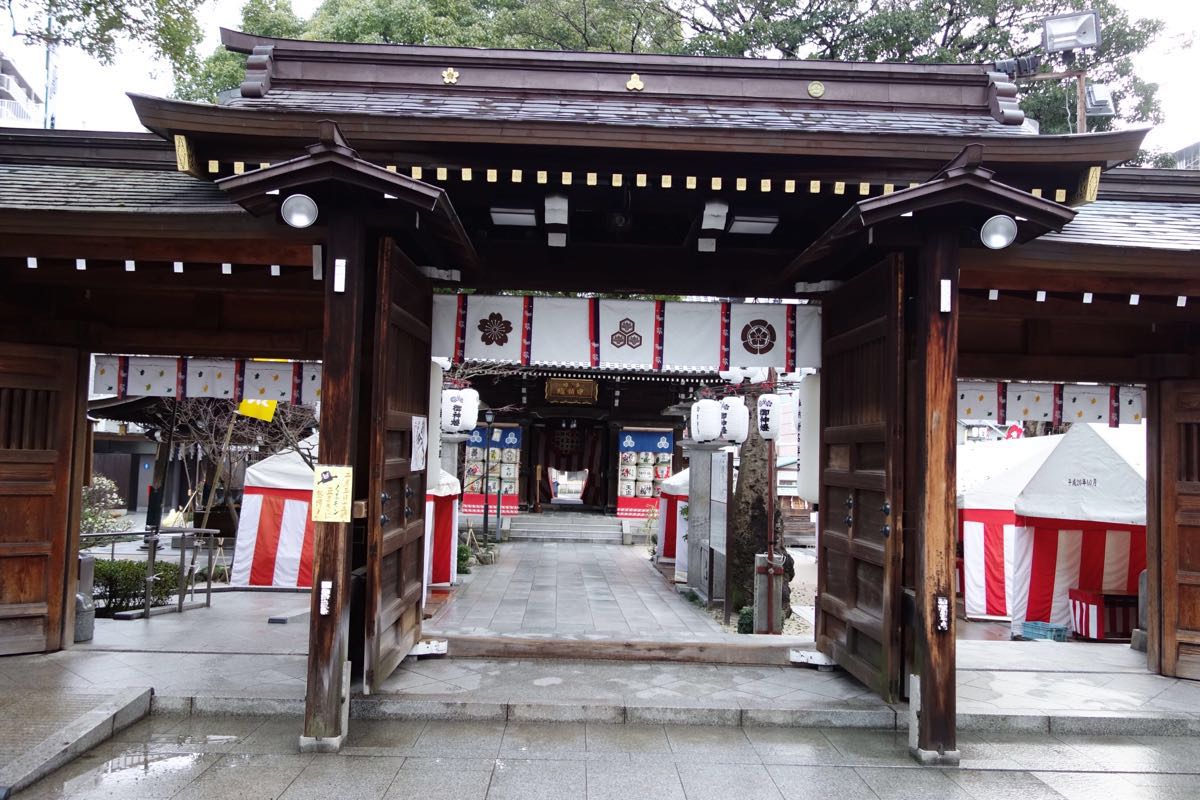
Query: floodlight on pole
[{"x": 1067, "y": 33}]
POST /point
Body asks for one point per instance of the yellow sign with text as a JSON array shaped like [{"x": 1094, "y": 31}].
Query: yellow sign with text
[{"x": 333, "y": 487}]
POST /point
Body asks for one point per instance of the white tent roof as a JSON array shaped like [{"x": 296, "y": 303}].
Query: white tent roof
[
  {"x": 677, "y": 484},
  {"x": 288, "y": 470},
  {"x": 992, "y": 474},
  {"x": 1096, "y": 474},
  {"x": 285, "y": 470}
]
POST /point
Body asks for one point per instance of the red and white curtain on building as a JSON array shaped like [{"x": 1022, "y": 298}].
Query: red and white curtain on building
[{"x": 639, "y": 334}]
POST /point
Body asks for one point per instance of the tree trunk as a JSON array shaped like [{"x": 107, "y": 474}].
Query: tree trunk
[{"x": 748, "y": 524}]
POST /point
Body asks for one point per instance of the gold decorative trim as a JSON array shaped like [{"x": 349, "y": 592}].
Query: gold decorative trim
[
  {"x": 185, "y": 159},
  {"x": 635, "y": 84},
  {"x": 816, "y": 89},
  {"x": 450, "y": 75}
]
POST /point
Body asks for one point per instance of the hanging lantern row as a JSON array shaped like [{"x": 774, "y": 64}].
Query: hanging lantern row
[
  {"x": 725, "y": 420},
  {"x": 460, "y": 410}
]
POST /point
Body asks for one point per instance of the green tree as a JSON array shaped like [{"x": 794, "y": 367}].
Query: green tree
[
  {"x": 931, "y": 31},
  {"x": 618, "y": 26},
  {"x": 169, "y": 27},
  {"x": 224, "y": 70},
  {"x": 615, "y": 26}
]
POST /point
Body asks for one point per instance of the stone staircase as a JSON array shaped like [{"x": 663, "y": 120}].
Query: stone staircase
[{"x": 565, "y": 526}]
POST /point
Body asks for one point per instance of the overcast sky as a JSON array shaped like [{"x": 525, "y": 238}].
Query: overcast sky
[{"x": 91, "y": 96}]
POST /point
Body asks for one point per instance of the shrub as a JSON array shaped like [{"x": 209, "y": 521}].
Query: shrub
[
  {"x": 746, "y": 620},
  {"x": 99, "y": 499},
  {"x": 121, "y": 585},
  {"x": 464, "y": 559}
]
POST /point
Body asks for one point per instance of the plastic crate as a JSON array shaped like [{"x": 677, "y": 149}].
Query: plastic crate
[{"x": 1045, "y": 630}]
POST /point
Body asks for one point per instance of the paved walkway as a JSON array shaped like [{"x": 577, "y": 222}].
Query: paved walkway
[
  {"x": 243, "y": 757},
  {"x": 569, "y": 590}
]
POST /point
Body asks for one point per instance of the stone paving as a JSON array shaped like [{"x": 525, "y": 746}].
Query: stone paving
[
  {"x": 215, "y": 758},
  {"x": 570, "y": 590}
]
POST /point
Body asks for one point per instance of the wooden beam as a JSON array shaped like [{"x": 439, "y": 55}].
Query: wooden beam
[
  {"x": 212, "y": 249},
  {"x": 1154, "y": 566},
  {"x": 937, "y": 337},
  {"x": 1100, "y": 369},
  {"x": 326, "y": 704}
]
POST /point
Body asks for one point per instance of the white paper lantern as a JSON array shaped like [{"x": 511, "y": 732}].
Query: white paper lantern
[
  {"x": 706, "y": 420},
  {"x": 460, "y": 410},
  {"x": 770, "y": 416},
  {"x": 735, "y": 419}
]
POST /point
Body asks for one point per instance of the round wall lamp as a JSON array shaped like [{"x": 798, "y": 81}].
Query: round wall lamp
[
  {"x": 998, "y": 232},
  {"x": 299, "y": 211}
]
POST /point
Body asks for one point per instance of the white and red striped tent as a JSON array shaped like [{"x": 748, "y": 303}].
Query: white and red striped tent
[
  {"x": 672, "y": 522},
  {"x": 1080, "y": 523},
  {"x": 275, "y": 530},
  {"x": 990, "y": 476}
]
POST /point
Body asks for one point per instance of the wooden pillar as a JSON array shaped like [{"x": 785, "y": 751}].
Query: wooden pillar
[
  {"x": 937, "y": 351},
  {"x": 326, "y": 701}
]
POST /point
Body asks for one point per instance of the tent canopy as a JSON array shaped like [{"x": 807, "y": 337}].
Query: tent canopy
[
  {"x": 677, "y": 484},
  {"x": 284, "y": 470},
  {"x": 1096, "y": 474},
  {"x": 992, "y": 474},
  {"x": 288, "y": 470}
]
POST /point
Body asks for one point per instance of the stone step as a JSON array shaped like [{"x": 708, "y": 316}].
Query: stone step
[
  {"x": 583, "y": 538},
  {"x": 567, "y": 528}
]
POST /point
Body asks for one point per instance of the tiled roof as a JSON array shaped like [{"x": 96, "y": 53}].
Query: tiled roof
[
  {"x": 639, "y": 112},
  {"x": 77, "y": 188},
  {"x": 1124, "y": 223}
]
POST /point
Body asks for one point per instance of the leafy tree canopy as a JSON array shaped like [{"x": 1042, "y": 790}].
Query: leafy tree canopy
[
  {"x": 928, "y": 31},
  {"x": 97, "y": 27},
  {"x": 921, "y": 31}
]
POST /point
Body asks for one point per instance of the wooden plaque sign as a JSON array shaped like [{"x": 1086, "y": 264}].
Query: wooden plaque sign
[{"x": 576, "y": 391}]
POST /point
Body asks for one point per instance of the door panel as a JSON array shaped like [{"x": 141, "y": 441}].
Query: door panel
[
  {"x": 396, "y": 522},
  {"x": 861, "y": 491},
  {"x": 1180, "y": 523},
  {"x": 37, "y": 429}
]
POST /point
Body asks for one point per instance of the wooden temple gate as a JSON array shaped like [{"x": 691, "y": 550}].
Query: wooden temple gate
[{"x": 881, "y": 228}]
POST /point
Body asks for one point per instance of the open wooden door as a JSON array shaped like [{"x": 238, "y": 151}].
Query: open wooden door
[
  {"x": 396, "y": 515},
  {"x": 1179, "y": 521},
  {"x": 39, "y": 401},
  {"x": 862, "y": 456}
]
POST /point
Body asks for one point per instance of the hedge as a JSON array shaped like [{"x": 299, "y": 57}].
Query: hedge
[{"x": 121, "y": 585}]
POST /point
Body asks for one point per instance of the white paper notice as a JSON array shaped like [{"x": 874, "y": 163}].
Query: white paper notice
[{"x": 420, "y": 443}]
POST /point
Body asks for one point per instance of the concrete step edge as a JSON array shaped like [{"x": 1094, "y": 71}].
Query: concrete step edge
[
  {"x": 64, "y": 745},
  {"x": 881, "y": 717}
]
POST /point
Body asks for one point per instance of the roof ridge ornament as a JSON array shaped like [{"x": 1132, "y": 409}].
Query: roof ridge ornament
[
  {"x": 258, "y": 71},
  {"x": 1002, "y": 99}
]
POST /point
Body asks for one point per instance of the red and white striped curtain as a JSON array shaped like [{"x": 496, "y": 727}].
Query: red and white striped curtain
[
  {"x": 274, "y": 539},
  {"x": 1051, "y": 557},
  {"x": 988, "y": 538}
]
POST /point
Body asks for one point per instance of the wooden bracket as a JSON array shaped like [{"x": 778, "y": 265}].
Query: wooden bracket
[{"x": 185, "y": 157}]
